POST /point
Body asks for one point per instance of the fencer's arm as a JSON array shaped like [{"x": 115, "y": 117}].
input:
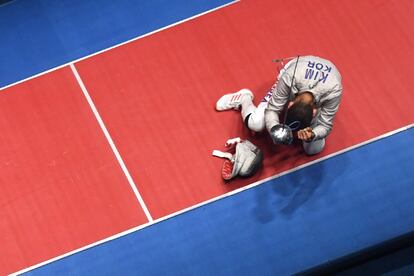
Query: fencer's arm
[
  {"x": 276, "y": 104},
  {"x": 326, "y": 117}
]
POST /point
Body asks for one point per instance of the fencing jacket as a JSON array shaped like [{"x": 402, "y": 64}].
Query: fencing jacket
[{"x": 313, "y": 74}]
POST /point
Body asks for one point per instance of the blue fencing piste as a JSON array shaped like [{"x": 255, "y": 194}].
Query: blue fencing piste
[
  {"x": 300, "y": 220},
  {"x": 49, "y": 33}
]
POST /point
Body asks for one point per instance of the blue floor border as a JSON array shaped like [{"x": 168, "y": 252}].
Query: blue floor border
[
  {"x": 39, "y": 35},
  {"x": 284, "y": 226}
]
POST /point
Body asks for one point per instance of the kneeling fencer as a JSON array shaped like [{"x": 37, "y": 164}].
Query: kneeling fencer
[{"x": 309, "y": 88}]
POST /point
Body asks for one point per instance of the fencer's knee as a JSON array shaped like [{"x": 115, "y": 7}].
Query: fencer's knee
[
  {"x": 255, "y": 123},
  {"x": 315, "y": 147}
]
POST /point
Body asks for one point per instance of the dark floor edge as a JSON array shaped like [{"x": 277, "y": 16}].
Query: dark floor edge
[{"x": 368, "y": 254}]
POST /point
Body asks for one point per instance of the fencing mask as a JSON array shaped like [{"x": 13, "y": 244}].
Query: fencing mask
[{"x": 245, "y": 161}]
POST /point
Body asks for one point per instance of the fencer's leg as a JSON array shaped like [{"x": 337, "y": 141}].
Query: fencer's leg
[
  {"x": 247, "y": 107},
  {"x": 314, "y": 147},
  {"x": 254, "y": 120}
]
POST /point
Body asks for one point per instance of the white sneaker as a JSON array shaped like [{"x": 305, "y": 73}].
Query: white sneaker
[{"x": 233, "y": 100}]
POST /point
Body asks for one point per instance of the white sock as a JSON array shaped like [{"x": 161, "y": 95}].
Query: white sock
[{"x": 247, "y": 106}]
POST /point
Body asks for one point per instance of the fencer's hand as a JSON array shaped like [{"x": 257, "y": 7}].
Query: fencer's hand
[{"x": 306, "y": 134}]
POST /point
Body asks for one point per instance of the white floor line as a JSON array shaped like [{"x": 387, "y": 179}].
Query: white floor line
[
  {"x": 111, "y": 143},
  {"x": 118, "y": 45},
  {"x": 129, "y": 231}
]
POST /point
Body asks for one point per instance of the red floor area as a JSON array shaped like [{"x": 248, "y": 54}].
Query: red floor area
[
  {"x": 157, "y": 95},
  {"x": 61, "y": 186}
]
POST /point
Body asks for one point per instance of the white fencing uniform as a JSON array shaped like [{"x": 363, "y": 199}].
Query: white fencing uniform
[{"x": 313, "y": 74}]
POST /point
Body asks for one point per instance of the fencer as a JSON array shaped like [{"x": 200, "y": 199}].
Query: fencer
[{"x": 308, "y": 89}]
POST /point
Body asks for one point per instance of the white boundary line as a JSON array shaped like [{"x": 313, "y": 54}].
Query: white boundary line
[
  {"x": 118, "y": 45},
  {"x": 129, "y": 231},
  {"x": 111, "y": 143}
]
